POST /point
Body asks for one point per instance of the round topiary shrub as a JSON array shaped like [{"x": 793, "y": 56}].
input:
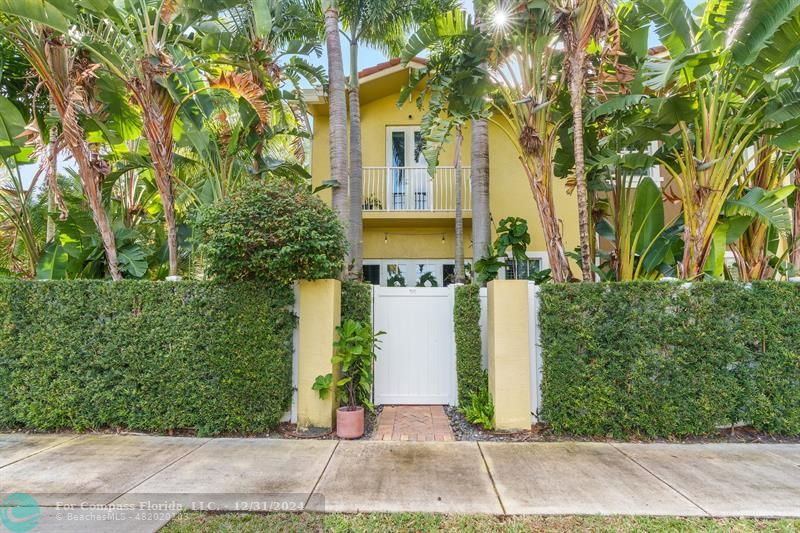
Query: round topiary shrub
[{"x": 273, "y": 231}]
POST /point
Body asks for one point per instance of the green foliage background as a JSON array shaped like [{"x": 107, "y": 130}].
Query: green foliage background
[
  {"x": 357, "y": 301},
  {"x": 467, "y": 317},
  {"x": 660, "y": 359},
  {"x": 144, "y": 356}
]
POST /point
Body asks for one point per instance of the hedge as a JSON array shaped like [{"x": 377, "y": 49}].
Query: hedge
[
  {"x": 144, "y": 356},
  {"x": 667, "y": 359},
  {"x": 467, "y": 317},
  {"x": 357, "y": 301}
]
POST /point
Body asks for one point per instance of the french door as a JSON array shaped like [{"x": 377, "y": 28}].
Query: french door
[{"x": 409, "y": 186}]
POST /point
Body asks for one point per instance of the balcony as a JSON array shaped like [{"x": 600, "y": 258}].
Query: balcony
[{"x": 413, "y": 189}]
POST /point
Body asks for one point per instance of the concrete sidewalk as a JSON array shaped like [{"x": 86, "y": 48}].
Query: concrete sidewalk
[{"x": 137, "y": 483}]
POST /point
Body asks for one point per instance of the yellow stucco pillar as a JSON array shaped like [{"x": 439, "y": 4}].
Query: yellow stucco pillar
[
  {"x": 320, "y": 312},
  {"x": 509, "y": 354}
]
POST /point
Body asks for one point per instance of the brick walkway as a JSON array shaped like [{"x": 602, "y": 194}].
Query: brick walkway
[{"x": 413, "y": 422}]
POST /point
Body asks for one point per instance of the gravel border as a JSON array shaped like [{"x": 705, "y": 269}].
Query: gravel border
[{"x": 466, "y": 431}]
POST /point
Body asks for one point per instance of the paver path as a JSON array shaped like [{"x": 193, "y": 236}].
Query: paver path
[{"x": 413, "y": 422}]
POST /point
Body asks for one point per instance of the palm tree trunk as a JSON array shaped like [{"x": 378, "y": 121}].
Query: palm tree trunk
[
  {"x": 338, "y": 112},
  {"x": 356, "y": 168},
  {"x": 459, "y": 269},
  {"x": 576, "y": 96},
  {"x": 163, "y": 171},
  {"x": 158, "y": 132},
  {"x": 52, "y": 183},
  {"x": 479, "y": 180},
  {"x": 64, "y": 95},
  {"x": 796, "y": 222},
  {"x": 91, "y": 181},
  {"x": 554, "y": 243}
]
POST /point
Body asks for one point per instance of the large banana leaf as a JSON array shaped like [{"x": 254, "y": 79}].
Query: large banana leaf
[
  {"x": 615, "y": 103},
  {"x": 53, "y": 14},
  {"x": 12, "y": 124},
  {"x": 451, "y": 24},
  {"x": 674, "y": 23},
  {"x": 756, "y": 31},
  {"x": 784, "y": 50},
  {"x": 53, "y": 262},
  {"x": 262, "y": 17},
  {"x": 769, "y": 206},
  {"x": 719, "y": 16},
  {"x": 648, "y": 214}
]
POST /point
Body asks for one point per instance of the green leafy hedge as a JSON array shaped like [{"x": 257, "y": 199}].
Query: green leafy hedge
[
  {"x": 467, "y": 318},
  {"x": 274, "y": 232},
  {"x": 357, "y": 301},
  {"x": 661, "y": 359},
  {"x": 144, "y": 356}
]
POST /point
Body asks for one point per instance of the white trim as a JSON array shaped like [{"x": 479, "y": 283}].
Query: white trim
[
  {"x": 411, "y": 273},
  {"x": 653, "y": 172},
  {"x": 544, "y": 262}
]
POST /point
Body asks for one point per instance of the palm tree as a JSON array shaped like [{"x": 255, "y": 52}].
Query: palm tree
[
  {"x": 142, "y": 47},
  {"x": 525, "y": 71},
  {"x": 523, "y": 63},
  {"x": 66, "y": 80},
  {"x": 479, "y": 180},
  {"x": 451, "y": 87},
  {"x": 378, "y": 23},
  {"x": 337, "y": 111},
  {"x": 479, "y": 175},
  {"x": 581, "y": 22}
]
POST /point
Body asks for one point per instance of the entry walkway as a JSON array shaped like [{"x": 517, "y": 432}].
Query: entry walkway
[
  {"x": 414, "y": 423},
  {"x": 137, "y": 483}
]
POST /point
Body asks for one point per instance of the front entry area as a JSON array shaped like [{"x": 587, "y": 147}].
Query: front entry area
[
  {"x": 416, "y": 364},
  {"x": 413, "y": 423}
]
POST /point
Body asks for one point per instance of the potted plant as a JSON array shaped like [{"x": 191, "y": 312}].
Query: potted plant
[{"x": 355, "y": 353}]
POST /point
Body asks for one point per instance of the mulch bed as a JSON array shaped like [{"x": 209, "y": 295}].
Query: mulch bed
[
  {"x": 464, "y": 430},
  {"x": 289, "y": 431}
]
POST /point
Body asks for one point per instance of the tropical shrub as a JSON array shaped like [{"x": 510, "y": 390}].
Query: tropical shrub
[
  {"x": 144, "y": 356},
  {"x": 272, "y": 231},
  {"x": 664, "y": 359},
  {"x": 466, "y": 318},
  {"x": 479, "y": 410},
  {"x": 355, "y": 354},
  {"x": 357, "y": 301}
]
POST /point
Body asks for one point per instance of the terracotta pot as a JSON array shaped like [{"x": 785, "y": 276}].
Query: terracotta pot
[{"x": 350, "y": 424}]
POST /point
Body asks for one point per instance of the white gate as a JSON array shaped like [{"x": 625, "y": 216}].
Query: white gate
[{"x": 416, "y": 363}]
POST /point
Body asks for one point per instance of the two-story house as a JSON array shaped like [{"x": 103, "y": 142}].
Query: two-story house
[{"x": 409, "y": 215}]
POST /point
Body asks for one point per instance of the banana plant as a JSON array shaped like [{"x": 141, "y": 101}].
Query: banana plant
[
  {"x": 722, "y": 63},
  {"x": 76, "y": 250},
  {"x": 523, "y": 60},
  {"x": 38, "y": 30},
  {"x": 757, "y": 217}
]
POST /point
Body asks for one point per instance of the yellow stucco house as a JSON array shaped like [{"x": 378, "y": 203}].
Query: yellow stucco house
[{"x": 409, "y": 222}]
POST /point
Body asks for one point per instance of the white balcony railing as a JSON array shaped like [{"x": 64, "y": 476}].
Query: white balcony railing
[{"x": 414, "y": 189}]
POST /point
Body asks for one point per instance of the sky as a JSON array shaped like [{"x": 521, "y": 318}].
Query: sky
[{"x": 368, "y": 57}]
